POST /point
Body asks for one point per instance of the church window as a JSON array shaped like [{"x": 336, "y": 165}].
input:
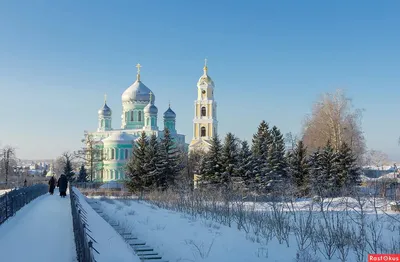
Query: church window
[
  {"x": 203, "y": 131},
  {"x": 140, "y": 116},
  {"x": 126, "y": 153},
  {"x": 131, "y": 115},
  {"x": 203, "y": 111},
  {"x": 112, "y": 153}
]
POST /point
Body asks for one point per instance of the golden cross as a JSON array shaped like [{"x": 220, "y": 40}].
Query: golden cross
[
  {"x": 169, "y": 103},
  {"x": 205, "y": 62},
  {"x": 138, "y": 66},
  {"x": 151, "y": 96},
  {"x": 105, "y": 98}
]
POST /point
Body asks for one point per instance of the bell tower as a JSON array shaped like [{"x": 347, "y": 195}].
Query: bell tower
[{"x": 205, "y": 122}]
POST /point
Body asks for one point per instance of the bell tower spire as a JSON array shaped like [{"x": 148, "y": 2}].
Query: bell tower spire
[{"x": 205, "y": 68}]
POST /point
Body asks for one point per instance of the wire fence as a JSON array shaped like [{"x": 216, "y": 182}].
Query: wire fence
[
  {"x": 14, "y": 200},
  {"x": 83, "y": 240}
]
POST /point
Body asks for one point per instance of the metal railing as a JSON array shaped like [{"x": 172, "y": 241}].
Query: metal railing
[
  {"x": 14, "y": 200},
  {"x": 83, "y": 240}
]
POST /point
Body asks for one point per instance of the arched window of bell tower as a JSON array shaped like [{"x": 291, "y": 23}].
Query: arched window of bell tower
[
  {"x": 140, "y": 116},
  {"x": 203, "y": 111},
  {"x": 203, "y": 131}
]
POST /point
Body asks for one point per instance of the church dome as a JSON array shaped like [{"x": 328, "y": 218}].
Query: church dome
[
  {"x": 205, "y": 78},
  {"x": 105, "y": 110},
  {"x": 151, "y": 108},
  {"x": 50, "y": 172},
  {"x": 137, "y": 92},
  {"x": 169, "y": 113}
]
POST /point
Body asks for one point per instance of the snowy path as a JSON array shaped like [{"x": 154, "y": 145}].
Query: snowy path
[{"x": 41, "y": 231}]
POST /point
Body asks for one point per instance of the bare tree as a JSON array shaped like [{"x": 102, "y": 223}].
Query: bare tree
[
  {"x": 376, "y": 158},
  {"x": 7, "y": 159},
  {"x": 91, "y": 153},
  {"x": 58, "y": 166},
  {"x": 333, "y": 118}
]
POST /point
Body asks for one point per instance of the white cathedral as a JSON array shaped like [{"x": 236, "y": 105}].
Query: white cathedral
[{"x": 139, "y": 114}]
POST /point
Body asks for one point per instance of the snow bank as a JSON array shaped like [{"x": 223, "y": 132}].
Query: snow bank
[
  {"x": 111, "y": 246},
  {"x": 178, "y": 237}
]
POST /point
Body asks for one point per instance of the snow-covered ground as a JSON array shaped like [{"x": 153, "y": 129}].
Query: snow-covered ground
[
  {"x": 40, "y": 231},
  {"x": 181, "y": 237},
  {"x": 111, "y": 246}
]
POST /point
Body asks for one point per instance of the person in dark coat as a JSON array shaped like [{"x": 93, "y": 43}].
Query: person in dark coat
[
  {"x": 62, "y": 185},
  {"x": 52, "y": 185}
]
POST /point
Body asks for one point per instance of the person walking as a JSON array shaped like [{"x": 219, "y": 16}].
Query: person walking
[
  {"x": 62, "y": 185},
  {"x": 52, "y": 185}
]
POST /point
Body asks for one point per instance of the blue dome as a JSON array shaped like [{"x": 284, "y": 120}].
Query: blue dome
[
  {"x": 150, "y": 109},
  {"x": 169, "y": 113},
  {"x": 105, "y": 110}
]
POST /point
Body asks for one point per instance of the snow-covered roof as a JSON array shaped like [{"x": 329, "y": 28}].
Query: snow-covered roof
[
  {"x": 137, "y": 92},
  {"x": 382, "y": 168},
  {"x": 119, "y": 137},
  {"x": 169, "y": 113}
]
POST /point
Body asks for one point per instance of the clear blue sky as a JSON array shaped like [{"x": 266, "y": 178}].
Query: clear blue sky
[{"x": 269, "y": 60}]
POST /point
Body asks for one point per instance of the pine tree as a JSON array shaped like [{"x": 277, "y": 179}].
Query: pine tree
[
  {"x": 299, "y": 168},
  {"x": 246, "y": 165},
  {"x": 349, "y": 173},
  {"x": 68, "y": 171},
  {"x": 277, "y": 175},
  {"x": 82, "y": 177},
  {"x": 213, "y": 166},
  {"x": 44, "y": 172},
  {"x": 260, "y": 148},
  {"x": 230, "y": 159},
  {"x": 135, "y": 167},
  {"x": 168, "y": 166},
  {"x": 316, "y": 179},
  {"x": 329, "y": 171},
  {"x": 152, "y": 156}
]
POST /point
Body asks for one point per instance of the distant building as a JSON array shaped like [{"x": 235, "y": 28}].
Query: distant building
[
  {"x": 205, "y": 124},
  {"x": 139, "y": 114}
]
